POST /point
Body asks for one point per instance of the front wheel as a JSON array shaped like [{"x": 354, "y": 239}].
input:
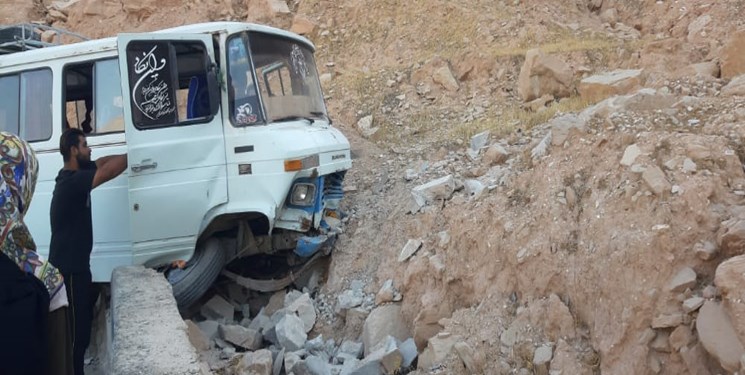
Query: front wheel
[{"x": 191, "y": 282}]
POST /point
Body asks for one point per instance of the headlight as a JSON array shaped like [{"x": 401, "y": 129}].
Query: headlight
[{"x": 303, "y": 194}]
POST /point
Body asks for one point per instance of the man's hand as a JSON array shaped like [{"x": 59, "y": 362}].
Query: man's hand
[{"x": 108, "y": 167}]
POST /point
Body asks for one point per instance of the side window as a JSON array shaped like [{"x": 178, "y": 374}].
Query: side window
[
  {"x": 93, "y": 98},
  {"x": 168, "y": 83},
  {"x": 26, "y": 108}
]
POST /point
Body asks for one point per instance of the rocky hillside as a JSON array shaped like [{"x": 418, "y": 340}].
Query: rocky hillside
[{"x": 564, "y": 178}]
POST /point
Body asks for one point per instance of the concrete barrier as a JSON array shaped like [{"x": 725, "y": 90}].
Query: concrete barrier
[{"x": 147, "y": 335}]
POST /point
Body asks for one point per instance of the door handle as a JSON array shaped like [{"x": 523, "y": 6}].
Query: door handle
[{"x": 145, "y": 165}]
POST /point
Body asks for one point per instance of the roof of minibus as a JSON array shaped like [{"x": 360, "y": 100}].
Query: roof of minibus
[{"x": 107, "y": 44}]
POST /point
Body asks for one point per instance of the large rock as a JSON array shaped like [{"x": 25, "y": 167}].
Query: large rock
[
  {"x": 411, "y": 247},
  {"x": 266, "y": 9},
  {"x": 543, "y": 74},
  {"x": 655, "y": 179},
  {"x": 563, "y": 127},
  {"x": 302, "y": 25},
  {"x": 735, "y": 87},
  {"x": 244, "y": 337},
  {"x": 312, "y": 365},
  {"x": 217, "y": 308},
  {"x": 473, "y": 360},
  {"x": 495, "y": 154},
  {"x": 384, "y": 321},
  {"x": 619, "y": 82},
  {"x": 730, "y": 280},
  {"x": 716, "y": 333},
  {"x": 438, "y": 348},
  {"x": 291, "y": 332},
  {"x": 303, "y": 307},
  {"x": 565, "y": 361},
  {"x": 731, "y": 237},
  {"x": 433, "y": 191},
  {"x": 733, "y": 59},
  {"x": 257, "y": 363},
  {"x": 684, "y": 279}
]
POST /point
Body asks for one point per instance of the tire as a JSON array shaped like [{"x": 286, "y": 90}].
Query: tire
[{"x": 190, "y": 283}]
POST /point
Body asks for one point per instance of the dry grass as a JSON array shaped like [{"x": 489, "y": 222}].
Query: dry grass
[{"x": 514, "y": 118}]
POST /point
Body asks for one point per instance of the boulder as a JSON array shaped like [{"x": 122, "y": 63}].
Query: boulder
[
  {"x": 444, "y": 77},
  {"x": 684, "y": 279},
  {"x": 434, "y": 191},
  {"x": 732, "y": 58},
  {"x": 717, "y": 335},
  {"x": 303, "y": 307},
  {"x": 543, "y": 74},
  {"x": 291, "y": 332},
  {"x": 265, "y": 10},
  {"x": 731, "y": 283},
  {"x": 655, "y": 179},
  {"x": 619, "y": 82},
  {"x": 438, "y": 348},
  {"x": 383, "y": 321},
  {"x": 366, "y": 127},
  {"x": 731, "y": 237},
  {"x": 563, "y": 127},
  {"x": 736, "y": 87},
  {"x": 241, "y": 336},
  {"x": 302, "y": 25},
  {"x": 495, "y": 154},
  {"x": 473, "y": 360},
  {"x": 257, "y": 363}
]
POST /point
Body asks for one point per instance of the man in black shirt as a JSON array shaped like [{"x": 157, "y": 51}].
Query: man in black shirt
[{"x": 72, "y": 230}]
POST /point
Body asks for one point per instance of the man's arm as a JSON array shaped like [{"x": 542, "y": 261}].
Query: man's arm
[{"x": 109, "y": 167}]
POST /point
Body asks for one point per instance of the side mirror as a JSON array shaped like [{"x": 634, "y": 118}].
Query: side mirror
[{"x": 213, "y": 88}]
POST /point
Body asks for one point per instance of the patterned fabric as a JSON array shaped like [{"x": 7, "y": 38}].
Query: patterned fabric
[{"x": 19, "y": 169}]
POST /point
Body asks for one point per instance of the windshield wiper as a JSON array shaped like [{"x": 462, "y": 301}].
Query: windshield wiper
[{"x": 292, "y": 118}]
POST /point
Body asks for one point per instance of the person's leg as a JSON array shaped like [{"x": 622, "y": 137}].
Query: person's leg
[
  {"x": 78, "y": 294},
  {"x": 60, "y": 348}
]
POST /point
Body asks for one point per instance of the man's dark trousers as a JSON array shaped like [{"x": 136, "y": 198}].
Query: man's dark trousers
[{"x": 81, "y": 298}]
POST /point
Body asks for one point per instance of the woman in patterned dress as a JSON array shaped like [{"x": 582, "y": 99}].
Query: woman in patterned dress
[{"x": 33, "y": 326}]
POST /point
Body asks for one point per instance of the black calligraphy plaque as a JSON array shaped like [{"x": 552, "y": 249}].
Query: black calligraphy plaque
[{"x": 152, "y": 94}]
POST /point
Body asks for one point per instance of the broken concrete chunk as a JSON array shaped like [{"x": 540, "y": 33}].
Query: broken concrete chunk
[
  {"x": 261, "y": 323},
  {"x": 716, "y": 333},
  {"x": 411, "y": 247},
  {"x": 434, "y": 191},
  {"x": 217, "y": 308},
  {"x": 349, "y": 299},
  {"x": 312, "y": 365},
  {"x": 629, "y": 156},
  {"x": 351, "y": 348},
  {"x": 291, "y": 332},
  {"x": 258, "y": 362},
  {"x": 684, "y": 279},
  {"x": 241, "y": 336}
]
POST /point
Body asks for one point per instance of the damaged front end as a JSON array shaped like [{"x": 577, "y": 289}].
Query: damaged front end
[{"x": 305, "y": 230}]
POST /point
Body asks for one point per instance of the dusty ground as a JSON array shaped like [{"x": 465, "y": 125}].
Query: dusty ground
[{"x": 570, "y": 249}]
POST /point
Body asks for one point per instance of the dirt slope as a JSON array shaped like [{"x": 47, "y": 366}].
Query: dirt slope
[{"x": 570, "y": 249}]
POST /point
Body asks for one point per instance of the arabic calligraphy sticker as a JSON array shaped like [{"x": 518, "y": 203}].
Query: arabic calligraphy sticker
[
  {"x": 149, "y": 77},
  {"x": 297, "y": 58}
]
